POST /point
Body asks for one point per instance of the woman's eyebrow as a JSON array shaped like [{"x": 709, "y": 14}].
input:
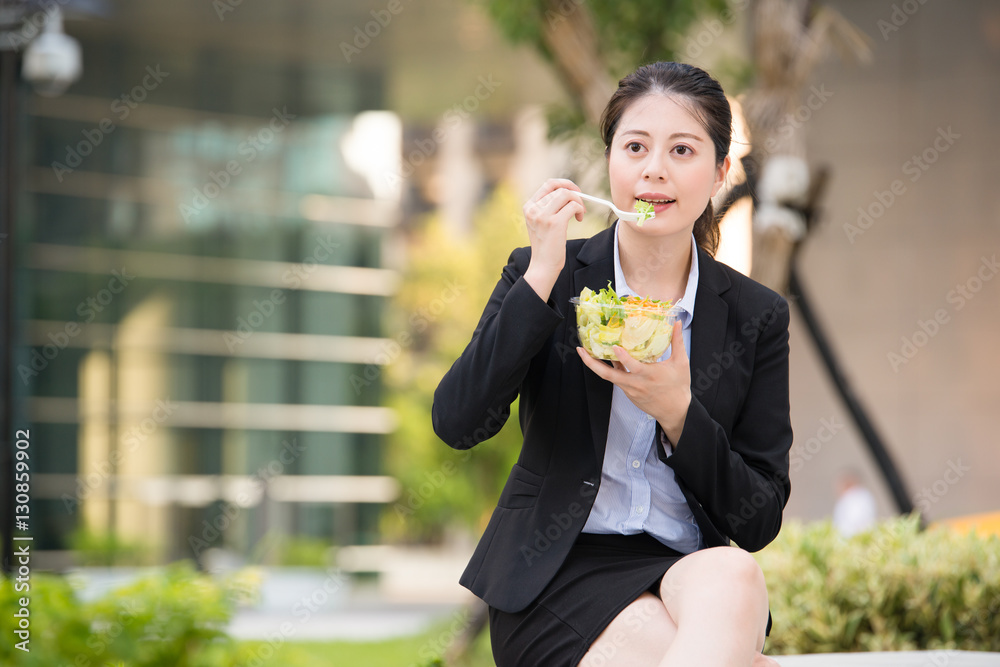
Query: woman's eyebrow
[{"x": 675, "y": 135}]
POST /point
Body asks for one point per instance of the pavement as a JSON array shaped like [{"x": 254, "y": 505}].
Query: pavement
[
  {"x": 361, "y": 624},
  {"x": 893, "y": 659}
]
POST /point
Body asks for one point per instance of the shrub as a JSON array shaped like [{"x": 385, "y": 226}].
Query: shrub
[
  {"x": 173, "y": 618},
  {"x": 94, "y": 548},
  {"x": 892, "y": 588}
]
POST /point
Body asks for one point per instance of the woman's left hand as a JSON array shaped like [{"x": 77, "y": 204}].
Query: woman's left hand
[{"x": 661, "y": 389}]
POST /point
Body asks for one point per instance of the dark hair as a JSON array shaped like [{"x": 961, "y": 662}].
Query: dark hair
[{"x": 706, "y": 101}]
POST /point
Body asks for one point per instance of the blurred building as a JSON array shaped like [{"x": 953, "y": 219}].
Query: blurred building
[
  {"x": 202, "y": 229},
  {"x": 208, "y": 239}
]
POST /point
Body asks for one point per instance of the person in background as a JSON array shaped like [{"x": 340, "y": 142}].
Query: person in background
[{"x": 854, "y": 511}]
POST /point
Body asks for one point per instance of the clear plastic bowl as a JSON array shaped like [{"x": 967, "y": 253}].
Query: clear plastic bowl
[{"x": 644, "y": 331}]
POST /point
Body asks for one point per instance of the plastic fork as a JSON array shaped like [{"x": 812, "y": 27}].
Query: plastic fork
[{"x": 627, "y": 216}]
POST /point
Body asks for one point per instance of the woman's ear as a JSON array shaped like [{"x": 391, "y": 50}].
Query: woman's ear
[{"x": 720, "y": 175}]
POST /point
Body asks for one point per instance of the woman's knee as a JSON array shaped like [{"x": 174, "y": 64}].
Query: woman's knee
[{"x": 730, "y": 572}]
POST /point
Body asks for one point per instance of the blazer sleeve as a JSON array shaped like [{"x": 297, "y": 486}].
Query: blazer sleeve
[
  {"x": 472, "y": 400},
  {"x": 741, "y": 478}
]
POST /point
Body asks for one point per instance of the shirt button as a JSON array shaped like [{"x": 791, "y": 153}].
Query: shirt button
[
  {"x": 636, "y": 464},
  {"x": 649, "y": 418},
  {"x": 638, "y": 510}
]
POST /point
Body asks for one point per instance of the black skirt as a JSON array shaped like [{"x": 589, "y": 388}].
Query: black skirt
[{"x": 601, "y": 576}]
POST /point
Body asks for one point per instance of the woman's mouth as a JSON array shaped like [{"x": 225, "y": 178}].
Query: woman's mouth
[{"x": 659, "y": 204}]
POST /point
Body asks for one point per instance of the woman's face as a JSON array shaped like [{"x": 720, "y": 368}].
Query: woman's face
[{"x": 662, "y": 154}]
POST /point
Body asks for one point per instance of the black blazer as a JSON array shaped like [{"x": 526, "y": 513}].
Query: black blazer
[{"x": 731, "y": 460}]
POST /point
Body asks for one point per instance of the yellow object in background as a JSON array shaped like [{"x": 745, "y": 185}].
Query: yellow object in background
[{"x": 986, "y": 523}]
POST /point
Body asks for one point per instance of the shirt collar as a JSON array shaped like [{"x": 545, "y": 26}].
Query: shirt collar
[{"x": 686, "y": 304}]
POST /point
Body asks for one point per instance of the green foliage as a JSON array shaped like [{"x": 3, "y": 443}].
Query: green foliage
[
  {"x": 449, "y": 279},
  {"x": 93, "y": 548},
  {"x": 630, "y": 32},
  {"x": 294, "y": 551},
  {"x": 893, "y": 588},
  {"x": 174, "y": 618},
  {"x": 415, "y": 651}
]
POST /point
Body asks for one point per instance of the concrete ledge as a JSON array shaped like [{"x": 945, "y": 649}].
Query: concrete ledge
[{"x": 893, "y": 659}]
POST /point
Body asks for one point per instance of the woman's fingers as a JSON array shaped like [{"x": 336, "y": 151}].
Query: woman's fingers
[
  {"x": 626, "y": 361},
  {"x": 554, "y": 184},
  {"x": 677, "y": 342},
  {"x": 555, "y": 195},
  {"x": 547, "y": 215},
  {"x": 602, "y": 370},
  {"x": 558, "y": 204}
]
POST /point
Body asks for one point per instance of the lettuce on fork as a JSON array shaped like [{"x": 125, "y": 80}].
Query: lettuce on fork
[{"x": 645, "y": 211}]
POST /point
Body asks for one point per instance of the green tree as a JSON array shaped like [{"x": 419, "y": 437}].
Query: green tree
[
  {"x": 592, "y": 44},
  {"x": 445, "y": 287}
]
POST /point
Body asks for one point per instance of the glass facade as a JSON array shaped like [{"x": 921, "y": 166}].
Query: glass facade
[{"x": 202, "y": 226}]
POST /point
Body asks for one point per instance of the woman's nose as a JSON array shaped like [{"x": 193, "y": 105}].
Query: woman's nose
[{"x": 655, "y": 169}]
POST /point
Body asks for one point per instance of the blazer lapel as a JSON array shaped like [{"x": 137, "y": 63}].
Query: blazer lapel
[
  {"x": 598, "y": 267},
  {"x": 708, "y": 330}
]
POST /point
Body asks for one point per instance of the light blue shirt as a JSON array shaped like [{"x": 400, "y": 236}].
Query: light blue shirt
[{"x": 638, "y": 491}]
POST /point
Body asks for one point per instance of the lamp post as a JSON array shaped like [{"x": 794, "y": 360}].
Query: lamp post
[{"x": 32, "y": 38}]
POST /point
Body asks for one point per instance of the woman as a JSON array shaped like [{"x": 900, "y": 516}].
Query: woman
[{"x": 610, "y": 541}]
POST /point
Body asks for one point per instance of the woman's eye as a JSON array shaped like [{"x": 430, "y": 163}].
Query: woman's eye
[
  {"x": 634, "y": 146},
  {"x": 683, "y": 150}
]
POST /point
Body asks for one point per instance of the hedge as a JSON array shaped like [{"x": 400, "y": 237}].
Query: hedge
[
  {"x": 895, "y": 587},
  {"x": 175, "y": 617}
]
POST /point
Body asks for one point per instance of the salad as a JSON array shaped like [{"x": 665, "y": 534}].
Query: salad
[
  {"x": 642, "y": 326},
  {"x": 645, "y": 211}
]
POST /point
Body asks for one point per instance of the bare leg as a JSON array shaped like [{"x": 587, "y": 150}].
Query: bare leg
[
  {"x": 638, "y": 636},
  {"x": 718, "y": 601}
]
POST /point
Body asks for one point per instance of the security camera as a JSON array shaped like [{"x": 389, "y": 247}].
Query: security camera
[{"x": 52, "y": 61}]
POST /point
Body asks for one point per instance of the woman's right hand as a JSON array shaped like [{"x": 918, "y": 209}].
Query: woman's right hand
[{"x": 547, "y": 215}]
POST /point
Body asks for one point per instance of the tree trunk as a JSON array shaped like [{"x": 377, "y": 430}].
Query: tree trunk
[{"x": 570, "y": 37}]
